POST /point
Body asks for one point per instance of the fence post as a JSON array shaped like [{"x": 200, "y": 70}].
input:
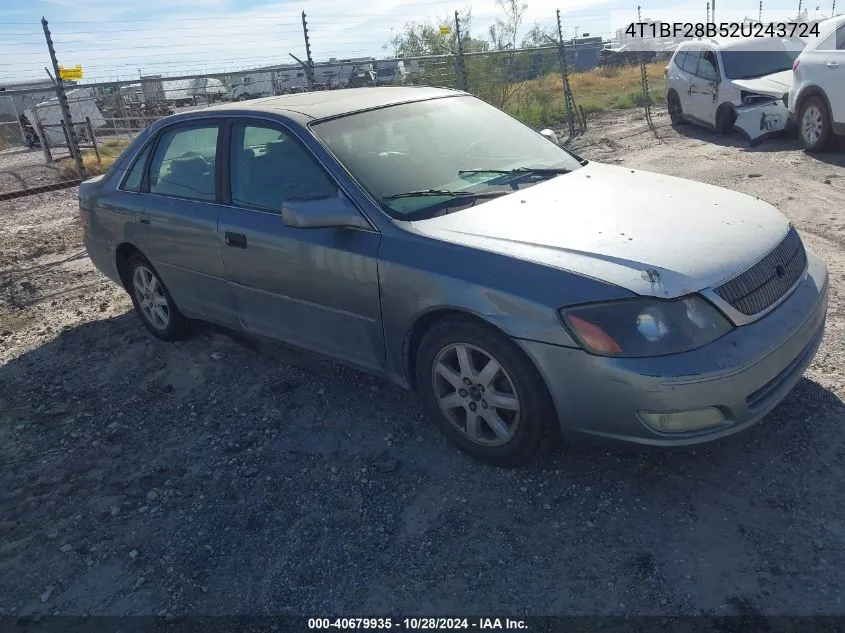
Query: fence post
[
  {"x": 93, "y": 139},
  {"x": 60, "y": 93},
  {"x": 309, "y": 69},
  {"x": 568, "y": 101},
  {"x": 460, "y": 62},
  {"x": 42, "y": 137},
  {"x": 646, "y": 94}
]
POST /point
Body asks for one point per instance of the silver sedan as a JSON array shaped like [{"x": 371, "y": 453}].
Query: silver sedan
[{"x": 427, "y": 237}]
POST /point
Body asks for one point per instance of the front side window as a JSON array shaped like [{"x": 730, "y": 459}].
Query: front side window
[
  {"x": 268, "y": 167},
  {"x": 707, "y": 68},
  {"x": 691, "y": 61},
  {"x": 184, "y": 162},
  {"x": 407, "y": 155}
]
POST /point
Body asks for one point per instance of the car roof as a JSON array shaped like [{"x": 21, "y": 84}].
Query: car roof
[{"x": 324, "y": 104}]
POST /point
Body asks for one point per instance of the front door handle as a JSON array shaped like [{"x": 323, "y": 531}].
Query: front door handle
[
  {"x": 832, "y": 64},
  {"x": 235, "y": 240},
  {"x": 144, "y": 218}
]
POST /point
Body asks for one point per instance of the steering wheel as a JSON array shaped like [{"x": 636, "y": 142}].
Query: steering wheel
[{"x": 478, "y": 149}]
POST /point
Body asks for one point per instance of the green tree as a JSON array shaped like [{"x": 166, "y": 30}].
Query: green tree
[
  {"x": 539, "y": 36},
  {"x": 428, "y": 38},
  {"x": 504, "y": 31}
]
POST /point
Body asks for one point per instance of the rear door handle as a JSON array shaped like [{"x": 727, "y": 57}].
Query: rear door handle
[
  {"x": 832, "y": 64},
  {"x": 144, "y": 219},
  {"x": 235, "y": 240}
]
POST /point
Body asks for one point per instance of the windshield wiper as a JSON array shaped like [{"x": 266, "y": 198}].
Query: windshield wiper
[
  {"x": 445, "y": 192},
  {"x": 540, "y": 171}
]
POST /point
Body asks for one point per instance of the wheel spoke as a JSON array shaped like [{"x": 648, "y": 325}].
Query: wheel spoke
[
  {"x": 464, "y": 361},
  {"x": 473, "y": 426},
  {"x": 489, "y": 373},
  {"x": 496, "y": 424},
  {"x": 448, "y": 375},
  {"x": 161, "y": 315},
  {"x": 452, "y": 401},
  {"x": 160, "y": 300},
  {"x": 499, "y": 400}
]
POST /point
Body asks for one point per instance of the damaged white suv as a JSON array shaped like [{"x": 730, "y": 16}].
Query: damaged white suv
[{"x": 729, "y": 84}]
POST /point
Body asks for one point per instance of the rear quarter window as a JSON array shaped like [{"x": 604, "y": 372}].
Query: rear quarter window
[
  {"x": 691, "y": 61},
  {"x": 679, "y": 59}
]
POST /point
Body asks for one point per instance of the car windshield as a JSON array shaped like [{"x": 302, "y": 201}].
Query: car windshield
[
  {"x": 429, "y": 157},
  {"x": 748, "y": 64}
]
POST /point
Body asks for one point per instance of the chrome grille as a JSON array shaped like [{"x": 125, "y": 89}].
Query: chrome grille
[{"x": 763, "y": 284}]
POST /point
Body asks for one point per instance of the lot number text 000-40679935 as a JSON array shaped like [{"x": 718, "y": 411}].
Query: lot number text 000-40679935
[{"x": 721, "y": 29}]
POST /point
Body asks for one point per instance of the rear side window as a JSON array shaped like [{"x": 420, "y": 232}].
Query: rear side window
[
  {"x": 679, "y": 59},
  {"x": 691, "y": 61},
  {"x": 135, "y": 177},
  {"x": 184, "y": 163},
  {"x": 840, "y": 38}
]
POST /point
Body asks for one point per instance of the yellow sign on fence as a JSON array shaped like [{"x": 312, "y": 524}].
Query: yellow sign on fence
[
  {"x": 70, "y": 73},
  {"x": 445, "y": 30}
]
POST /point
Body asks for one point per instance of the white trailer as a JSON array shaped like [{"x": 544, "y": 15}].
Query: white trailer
[{"x": 81, "y": 103}]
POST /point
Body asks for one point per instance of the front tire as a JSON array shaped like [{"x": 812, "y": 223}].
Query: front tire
[
  {"x": 153, "y": 302},
  {"x": 483, "y": 393},
  {"x": 725, "y": 118},
  {"x": 814, "y": 125}
]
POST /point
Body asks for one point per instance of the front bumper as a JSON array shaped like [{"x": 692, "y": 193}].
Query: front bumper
[{"x": 745, "y": 374}]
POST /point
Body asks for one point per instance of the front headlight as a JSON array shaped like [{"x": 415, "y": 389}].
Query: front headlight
[{"x": 645, "y": 326}]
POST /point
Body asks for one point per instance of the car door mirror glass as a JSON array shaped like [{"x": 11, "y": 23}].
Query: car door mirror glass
[{"x": 317, "y": 213}]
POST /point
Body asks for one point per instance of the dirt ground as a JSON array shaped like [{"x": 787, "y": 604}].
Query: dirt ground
[{"x": 217, "y": 477}]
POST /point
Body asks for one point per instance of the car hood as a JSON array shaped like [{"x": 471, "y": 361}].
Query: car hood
[
  {"x": 775, "y": 85},
  {"x": 649, "y": 233}
]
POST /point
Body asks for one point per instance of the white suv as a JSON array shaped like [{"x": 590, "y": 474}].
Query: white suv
[
  {"x": 817, "y": 98},
  {"x": 732, "y": 83}
]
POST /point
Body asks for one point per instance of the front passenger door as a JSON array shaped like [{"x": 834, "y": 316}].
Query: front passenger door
[{"x": 317, "y": 287}]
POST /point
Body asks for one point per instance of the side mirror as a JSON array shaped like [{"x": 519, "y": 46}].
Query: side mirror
[
  {"x": 550, "y": 135},
  {"x": 322, "y": 213}
]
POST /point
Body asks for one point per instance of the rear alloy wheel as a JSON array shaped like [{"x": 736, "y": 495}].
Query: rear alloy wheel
[
  {"x": 814, "y": 126},
  {"x": 483, "y": 393},
  {"x": 153, "y": 303}
]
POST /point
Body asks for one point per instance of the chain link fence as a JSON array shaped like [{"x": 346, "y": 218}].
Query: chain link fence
[{"x": 563, "y": 85}]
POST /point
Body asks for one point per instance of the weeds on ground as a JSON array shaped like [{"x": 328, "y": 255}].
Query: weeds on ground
[{"x": 109, "y": 152}]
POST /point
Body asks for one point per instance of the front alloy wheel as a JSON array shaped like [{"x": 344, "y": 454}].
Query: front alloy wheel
[
  {"x": 476, "y": 394},
  {"x": 482, "y": 392}
]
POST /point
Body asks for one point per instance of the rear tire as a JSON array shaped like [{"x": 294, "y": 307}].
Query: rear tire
[
  {"x": 152, "y": 301},
  {"x": 483, "y": 393},
  {"x": 814, "y": 125},
  {"x": 676, "y": 112}
]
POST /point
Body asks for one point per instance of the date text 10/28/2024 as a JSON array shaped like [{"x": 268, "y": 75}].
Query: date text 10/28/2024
[
  {"x": 417, "y": 624},
  {"x": 721, "y": 29}
]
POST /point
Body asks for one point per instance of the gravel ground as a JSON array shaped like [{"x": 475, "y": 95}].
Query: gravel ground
[{"x": 220, "y": 477}]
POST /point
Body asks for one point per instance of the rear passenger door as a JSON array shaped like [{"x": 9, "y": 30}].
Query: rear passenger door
[
  {"x": 316, "y": 288},
  {"x": 176, "y": 226}
]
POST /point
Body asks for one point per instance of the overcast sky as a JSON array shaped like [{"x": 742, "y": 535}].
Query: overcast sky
[{"x": 115, "y": 39}]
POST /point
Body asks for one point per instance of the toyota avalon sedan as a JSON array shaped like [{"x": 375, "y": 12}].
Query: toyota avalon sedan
[{"x": 427, "y": 237}]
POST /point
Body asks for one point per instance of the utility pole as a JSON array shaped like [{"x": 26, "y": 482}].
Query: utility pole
[
  {"x": 708, "y": 11},
  {"x": 60, "y": 93},
  {"x": 760, "y": 14},
  {"x": 309, "y": 69},
  {"x": 639, "y": 15},
  {"x": 799, "y": 9},
  {"x": 568, "y": 101},
  {"x": 713, "y": 11}
]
